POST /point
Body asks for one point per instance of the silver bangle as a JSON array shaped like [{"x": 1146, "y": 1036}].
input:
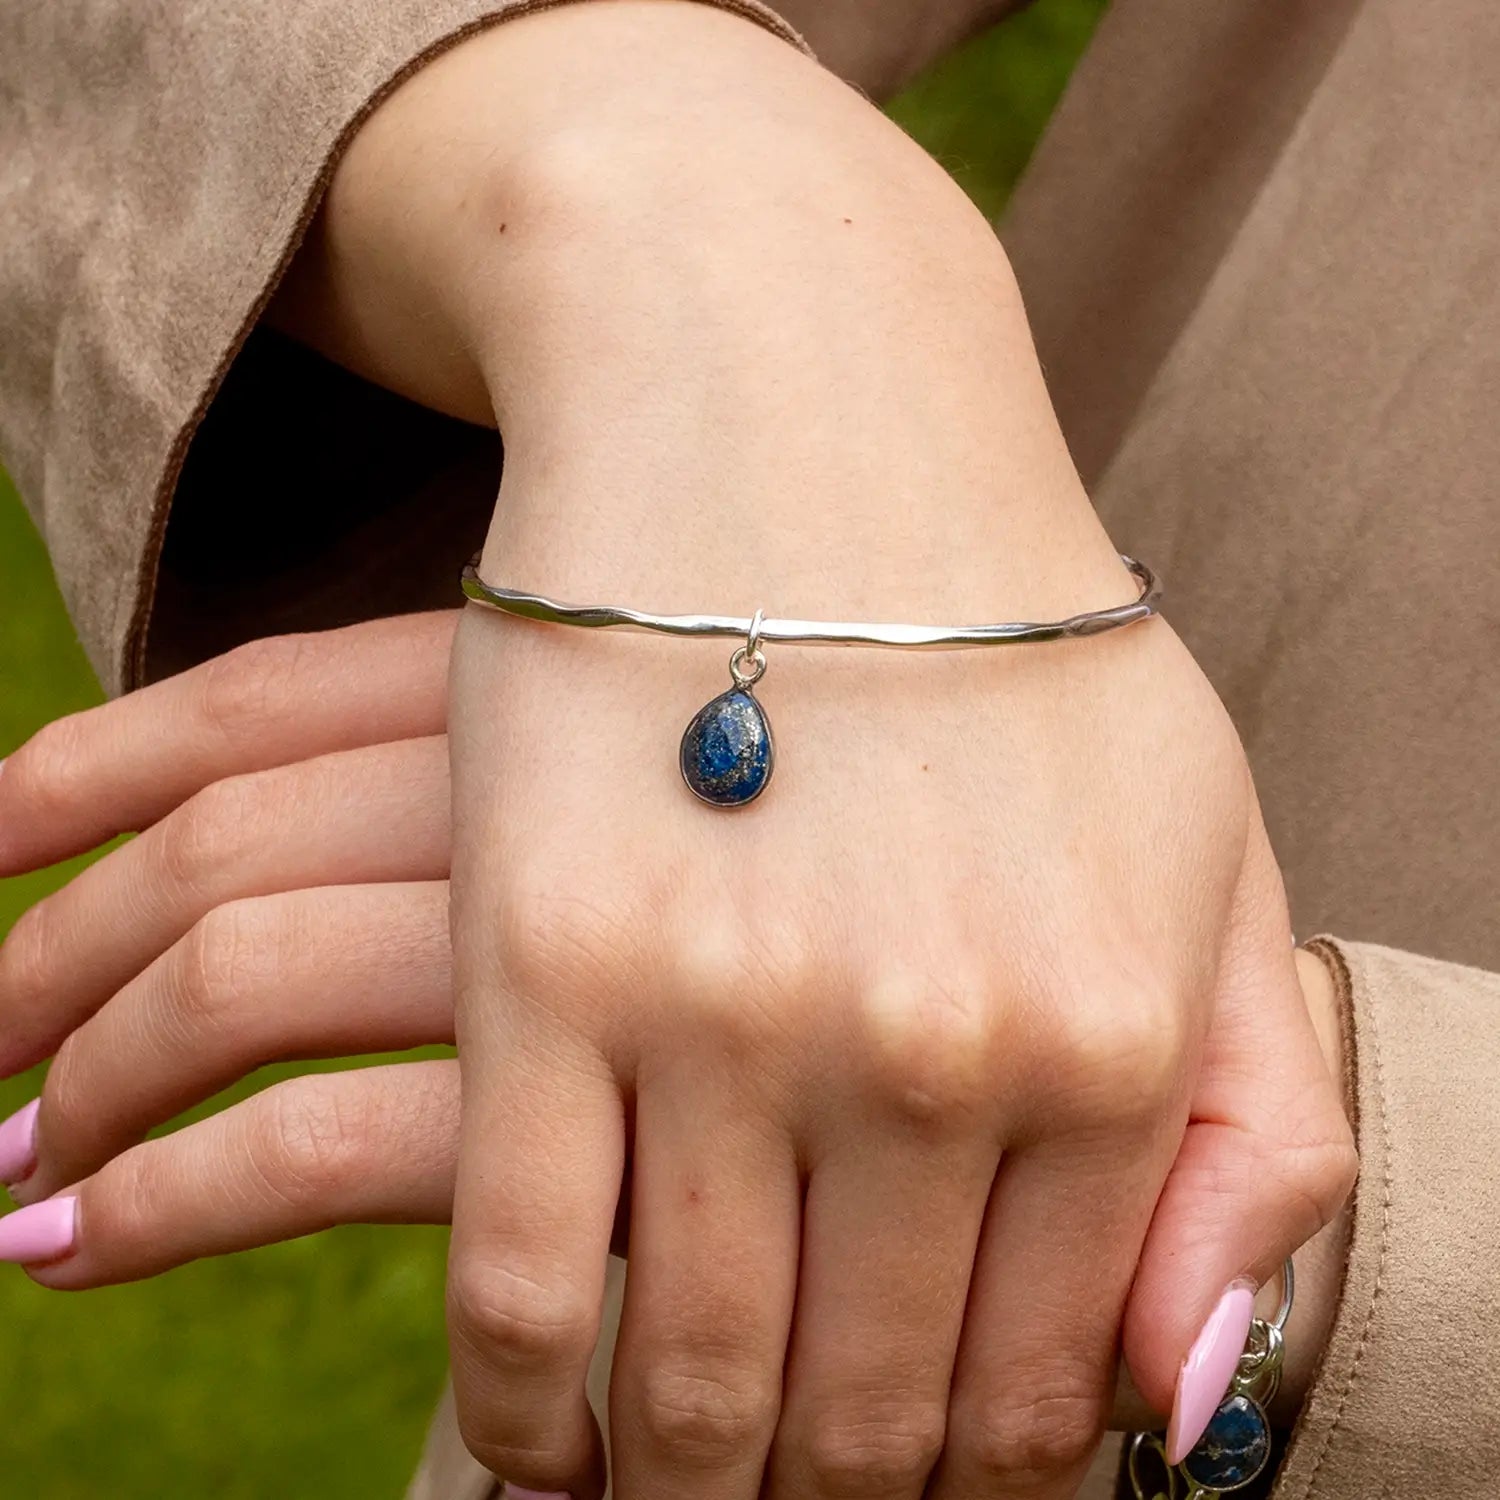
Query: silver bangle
[{"x": 726, "y": 754}]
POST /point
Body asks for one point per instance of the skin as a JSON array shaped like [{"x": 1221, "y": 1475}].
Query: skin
[
  {"x": 232, "y": 980},
  {"x": 1001, "y": 965}
]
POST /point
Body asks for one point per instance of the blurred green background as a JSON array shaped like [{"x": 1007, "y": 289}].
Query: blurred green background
[{"x": 310, "y": 1369}]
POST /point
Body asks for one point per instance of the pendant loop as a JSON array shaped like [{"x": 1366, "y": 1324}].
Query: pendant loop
[
  {"x": 749, "y": 652},
  {"x": 752, "y": 638}
]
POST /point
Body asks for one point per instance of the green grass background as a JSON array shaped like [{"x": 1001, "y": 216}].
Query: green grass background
[{"x": 309, "y": 1369}]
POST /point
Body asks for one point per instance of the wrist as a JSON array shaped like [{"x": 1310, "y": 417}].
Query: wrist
[
  {"x": 390, "y": 278},
  {"x": 790, "y": 356},
  {"x": 753, "y": 339},
  {"x": 770, "y": 365}
]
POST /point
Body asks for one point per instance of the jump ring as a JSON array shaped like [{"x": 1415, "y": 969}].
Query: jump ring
[
  {"x": 752, "y": 640},
  {"x": 757, "y": 661}
]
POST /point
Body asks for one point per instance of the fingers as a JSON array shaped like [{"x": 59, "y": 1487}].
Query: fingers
[
  {"x": 889, "y": 1243},
  {"x": 531, "y": 1233},
  {"x": 122, "y": 767},
  {"x": 1071, "y": 1205},
  {"x": 368, "y": 815},
  {"x": 378, "y": 1145},
  {"x": 1267, "y": 1160},
  {"x": 1036, "y": 1375},
  {"x": 320, "y": 973},
  {"x": 708, "y": 1305}
]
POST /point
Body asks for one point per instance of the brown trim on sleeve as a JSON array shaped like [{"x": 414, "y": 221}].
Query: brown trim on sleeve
[{"x": 1369, "y": 1244}]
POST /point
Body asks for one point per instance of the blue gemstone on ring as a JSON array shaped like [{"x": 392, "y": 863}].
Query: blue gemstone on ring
[
  {"x": 1234, "y": 1448},
  {"x": 726, "y": 755}
]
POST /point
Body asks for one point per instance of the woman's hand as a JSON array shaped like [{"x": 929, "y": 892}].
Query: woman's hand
[
  {"x": 904, "y": 1053},
  {"x": 287, "y": 898},
  {"x": 288, "y": 973}
]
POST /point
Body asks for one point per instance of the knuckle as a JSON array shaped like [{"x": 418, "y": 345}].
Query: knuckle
[
  {"x": 69, "y": 1094},
  {"x": 1035, "y": 1438},
  {"x": 50, "y": 773},
  {"x": 705, "y": 1411},
  {"x": 527, "y": 1457},
  {"x": 929, "y": 1045},
  {"x": 715, "y": 956},
  {"x": 507, "y": 1316},
  {"x": 1320, "y": 1173},
  {"x": 317, "y": 1135},
  {"x": 532, "y": 934},
  {"x": 130, "y": 1198},
  {"x": 557, "y": 931},
  {"x": 247, "y": 688},
  {"x": 1121, "y": 1054},
  {"x": 221, "y": 964},
  {"x": 29, "y": 959},
  {"x": 887, "y": 1451},
  {"x": 1341, "y": 1172},
  {"x": 743, "y": 983},
  {"x": 208, "y": 833}
]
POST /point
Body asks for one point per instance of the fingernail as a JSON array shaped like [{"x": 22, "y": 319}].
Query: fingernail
[
  {"x": 42, "y": 1232},
  {"x": 515, "y": 1492},
  {"x": 18, "y": 1144},
  {"x": 1208, "y": 1369}
]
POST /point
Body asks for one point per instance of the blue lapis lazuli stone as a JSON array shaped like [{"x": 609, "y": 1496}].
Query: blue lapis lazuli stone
[
  {"x": 726, "y": 752},
  {"x": 1233, "y": 1450}
]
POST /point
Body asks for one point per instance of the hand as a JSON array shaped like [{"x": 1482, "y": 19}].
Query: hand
[
  {"x": 287, "y": 899},
  {"x": 901, "y": 1057},
  {"x": 376, "y": 1145}
]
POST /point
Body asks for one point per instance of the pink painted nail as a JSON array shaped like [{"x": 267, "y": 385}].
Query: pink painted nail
[
  {"x": 18, "y": 1144},
  {"x": 515, "y": 1492},
  {"x": 1208, "y": 1369},
  {"x": 44, "y": 1231}
]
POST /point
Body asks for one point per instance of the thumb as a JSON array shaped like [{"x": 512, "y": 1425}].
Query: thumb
[{"x": 1267, "y": 1160}]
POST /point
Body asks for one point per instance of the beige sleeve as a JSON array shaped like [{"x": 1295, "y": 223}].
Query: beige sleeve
[
  {"x": 1406, "y": 1403},
  {"x": 158, "y": 166}
]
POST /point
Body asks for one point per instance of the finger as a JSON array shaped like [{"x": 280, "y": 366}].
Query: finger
[
  {"x": 121, "y": 767},
  {"x": 889, "y": 1240},
  {"x": 708, "y": 1304},
  {"x": 531, "y": 1234},
  {"x": 358, "y": 816},
  {"x": 303, "y": 974},
  {"x": 1267, "y": 1160},
  {"x": 378, "y": 1145},
  {"x": 1035, "y": 1381}
]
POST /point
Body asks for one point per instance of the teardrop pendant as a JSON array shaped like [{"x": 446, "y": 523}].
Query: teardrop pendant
[
  {"x": 1232, "y": 1453},
  {"x": 1234, "y": 1449},
  {"x": 726, "y": 756}
]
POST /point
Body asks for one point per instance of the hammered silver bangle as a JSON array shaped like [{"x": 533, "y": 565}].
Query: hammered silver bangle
[{"x": 726, "y": 755}]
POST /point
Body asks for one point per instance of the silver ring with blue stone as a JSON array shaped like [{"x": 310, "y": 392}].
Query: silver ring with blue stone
[{"x": 1236, "y": 1445}]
